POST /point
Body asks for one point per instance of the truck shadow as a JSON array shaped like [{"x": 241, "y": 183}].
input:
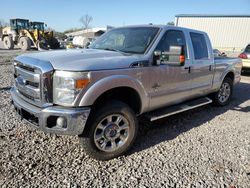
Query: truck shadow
[
  {"x": 15, "y": 49},
  {"x": 5, "y": 88},
  {"x": 167, "y": 129}
]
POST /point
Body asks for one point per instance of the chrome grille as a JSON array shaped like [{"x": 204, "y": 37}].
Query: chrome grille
[
  {"x": 26, "y": 68},
  {"x": 33, "y": 82}
]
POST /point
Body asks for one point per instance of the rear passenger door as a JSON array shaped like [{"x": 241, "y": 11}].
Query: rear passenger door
[{"x": 202, "y": 65}]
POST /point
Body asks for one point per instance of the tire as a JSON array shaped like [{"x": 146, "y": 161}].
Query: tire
[
  {"x": 54, "y": 44},
  {"x": 8, "y": 43},
  {"x": 105, "y": 138},
  {"x": 224, "y": 95},
  {"x": 25, "y": 43},
  {"x": 42, "y": 45}
]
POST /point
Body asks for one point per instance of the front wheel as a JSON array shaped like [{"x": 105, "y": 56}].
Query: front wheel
[
  {"x": 112, "y": 131},
  {"x": 25, "y": 43},
  {"x": 42, "y": 45},
  {"x": 224, "y": 95}
]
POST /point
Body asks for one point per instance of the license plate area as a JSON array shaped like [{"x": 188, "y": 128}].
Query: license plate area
[{"x": 25, "y": 115}]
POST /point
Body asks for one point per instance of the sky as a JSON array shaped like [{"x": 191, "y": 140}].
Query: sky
[{"x": 61, "y": 15}]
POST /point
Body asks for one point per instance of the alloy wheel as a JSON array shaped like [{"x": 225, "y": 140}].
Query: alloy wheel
[{"x": 111, "y": 133}]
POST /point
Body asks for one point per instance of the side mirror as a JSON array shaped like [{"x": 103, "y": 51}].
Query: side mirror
[{"x": 174, "y": 57}]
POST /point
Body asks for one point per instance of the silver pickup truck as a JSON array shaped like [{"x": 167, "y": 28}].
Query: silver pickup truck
[{"x": 99, "y": 93}]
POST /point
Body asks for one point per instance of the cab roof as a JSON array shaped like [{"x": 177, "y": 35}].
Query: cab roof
[{"x": 163, "y": 27}]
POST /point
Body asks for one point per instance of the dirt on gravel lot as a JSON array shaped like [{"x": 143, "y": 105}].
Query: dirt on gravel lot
[{"x": 205, "y": 147}]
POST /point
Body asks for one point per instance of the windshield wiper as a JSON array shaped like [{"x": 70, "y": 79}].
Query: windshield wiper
[
  {"x": 111, "y": 49},
  {"x": 115, "y": 50},
  {"x": 127, "y": 51},
  {"x": 132, "y": 52}
]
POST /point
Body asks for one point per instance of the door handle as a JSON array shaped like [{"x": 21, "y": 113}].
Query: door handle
[
  {"x": 210, "y": 67},
  {"x": 188, "y": 68},
  {"x": 140, "y": 64},
  {"x": 136, "y": 65},
  {"x": 156, "y": 85}
]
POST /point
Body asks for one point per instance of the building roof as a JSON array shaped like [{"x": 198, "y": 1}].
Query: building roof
[
  {"x": 84, "y": 31},
  {"x": 214, "y": 15}
]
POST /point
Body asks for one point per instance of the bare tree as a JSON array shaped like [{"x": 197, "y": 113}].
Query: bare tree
[
  {"x": 86, "y": 20},
  {"x": 170, "y": 23},
  {"x": 3, "y": 23},
  {"x": 50, "y": 29}
]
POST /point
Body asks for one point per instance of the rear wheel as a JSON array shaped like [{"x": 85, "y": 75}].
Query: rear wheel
[
  {"x": 111, "y": 131},
  {"x": 8, "y": 43},
  {"x": 224, "y": 95},
  {"x": 25, "y": 43}
]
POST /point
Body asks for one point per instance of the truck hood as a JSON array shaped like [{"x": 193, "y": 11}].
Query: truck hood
[{"x": 84, "y": 59}]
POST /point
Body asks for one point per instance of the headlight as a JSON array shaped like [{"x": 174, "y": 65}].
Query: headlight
[{"x": 67, "y": 85}]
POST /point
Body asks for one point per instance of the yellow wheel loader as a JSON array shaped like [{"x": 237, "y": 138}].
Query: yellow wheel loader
[
  {"x": 46, "y": 38},
  {"x": 28, "y": 35}
]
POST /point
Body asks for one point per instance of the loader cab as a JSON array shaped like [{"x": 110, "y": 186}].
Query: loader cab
[
  {"x": 19, "y": 24},
  {"x": 37, "y": 25}
]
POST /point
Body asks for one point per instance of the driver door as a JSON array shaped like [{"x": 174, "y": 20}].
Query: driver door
[{"x": 170, "y": 84}]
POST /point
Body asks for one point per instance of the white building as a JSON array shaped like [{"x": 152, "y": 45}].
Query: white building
[
  {"x": 227, "y": 32},
  {"x": 93, "y": 31}
]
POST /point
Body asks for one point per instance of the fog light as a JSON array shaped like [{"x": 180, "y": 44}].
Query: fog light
[{"x": 61, "y": 122}]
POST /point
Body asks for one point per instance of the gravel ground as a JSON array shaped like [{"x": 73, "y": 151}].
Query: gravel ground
[{"x": 205, "y": 147}]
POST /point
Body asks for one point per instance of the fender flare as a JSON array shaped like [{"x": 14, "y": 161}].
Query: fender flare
[
  {"x": 217, "y": 84},
  {"x": 4, "y": 35},
  {"x": 228, "y": 70},
  {"x": 111, "y": 82}
]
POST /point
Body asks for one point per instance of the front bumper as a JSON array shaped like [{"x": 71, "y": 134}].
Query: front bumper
[{"x": 45, "y": 119}]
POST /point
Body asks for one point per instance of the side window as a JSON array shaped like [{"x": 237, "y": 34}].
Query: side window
[
  {"x": 199, "y": 46},
  {"x": 171, "y": 38}
]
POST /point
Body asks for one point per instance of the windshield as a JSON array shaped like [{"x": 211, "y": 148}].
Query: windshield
[
  {"x": 22, "y": 24},
  {"x": 39, "y": 26},
  {"x": 128, "y": 40},
  {"x": 19, "y": 24}
]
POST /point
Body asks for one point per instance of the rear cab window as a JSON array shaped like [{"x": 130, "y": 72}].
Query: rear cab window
[{"x": 200, "y": 48}]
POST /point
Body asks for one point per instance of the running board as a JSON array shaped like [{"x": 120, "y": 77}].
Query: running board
[{"x": 165, "y": 112}]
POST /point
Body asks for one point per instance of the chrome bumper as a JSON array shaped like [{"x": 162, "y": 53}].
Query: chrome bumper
[
  {"x": 45, "y": 119},
  {"x": 246, "y": 63}
]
